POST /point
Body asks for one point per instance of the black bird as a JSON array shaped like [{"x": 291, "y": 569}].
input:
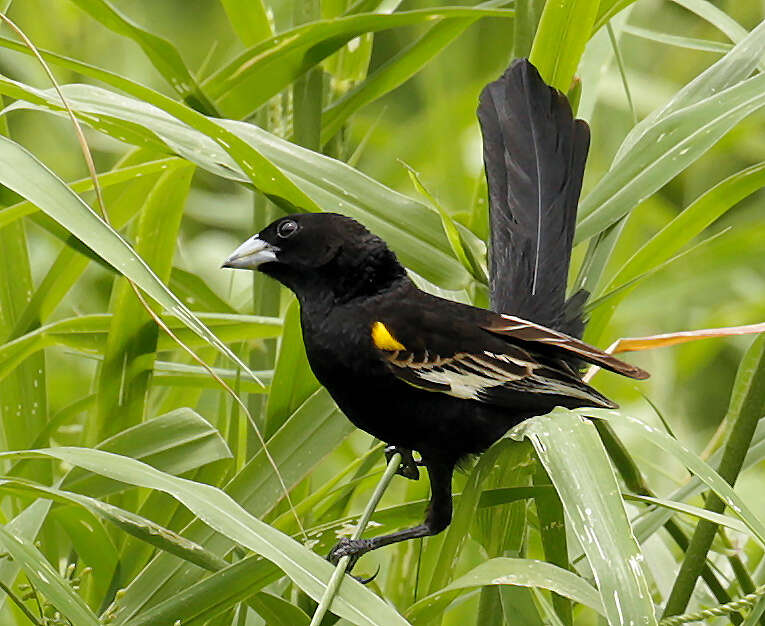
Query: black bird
[{"x": 427, "y": 374}]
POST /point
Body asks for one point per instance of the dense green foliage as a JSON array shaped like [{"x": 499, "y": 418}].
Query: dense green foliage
[{"x": 150, "y": 498}]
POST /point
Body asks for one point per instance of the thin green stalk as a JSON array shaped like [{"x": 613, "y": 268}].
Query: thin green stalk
[
  {"x": 746, "y": 408},
  {"x": 337, "y": 576},
  {"x": 622, "y": 71}
]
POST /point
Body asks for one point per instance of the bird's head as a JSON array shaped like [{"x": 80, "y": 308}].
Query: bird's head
[{"x": 320, "y": 253}]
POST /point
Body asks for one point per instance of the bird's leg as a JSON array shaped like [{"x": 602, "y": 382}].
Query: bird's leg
[
  {"x": 437, "y": 519},
  {"x": 408, "y": 468}
]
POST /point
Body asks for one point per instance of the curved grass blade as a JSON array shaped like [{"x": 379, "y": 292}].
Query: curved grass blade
[
  {"x": 690, "y": 43},
  {"x": 564, "y": 29},
  {"x": 394, "y": 72},
  {"x": 675, "y": 135},
  {"x": 573, "y": 455},
  {"x": 691, "y": 461},
  {"x": 47, "y": 580},
  {"x": 265, "y": 69},
  {"x": 23, "y": 173},
  {"x": 507, "y": 571},
  {"x": 221, "y": 513},
  {"x": 163, "y": 55},
  {"x": 135, "y": 525},
  {"x": 413, "y": 231}
]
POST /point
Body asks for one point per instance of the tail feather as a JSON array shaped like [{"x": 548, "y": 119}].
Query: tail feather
[{"x": 534, "y": 154}]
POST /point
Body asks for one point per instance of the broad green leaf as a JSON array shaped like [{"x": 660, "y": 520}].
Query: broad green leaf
[
  {"x": 265, "y": 69},
  {"x": 716, "y": 17},
  {"x": 90, "y": 540},
  {"x": 122, "y": 200},
  {"x": 664, "y": 151},
  {"x": 675, "y": 135},
  {"x": 196, "y": 293},
  {"x": 47, "y": 580},
  {"x": 171, "y": 374},
  {"x": 508, "y": 571},
  {"x": 413, "y": 231},
  {"x": 646, "y": 524},
  {"x": 733, "y": 68},
  {"x": 564, "y": 29},
  {"x": 590, "y": 496},
  {"x": 23, "y": 173},
  {"x": 199, "y": 598},
  {"x": 105, "y": 180},
  {"x": 23, "y": 397},
  {"x": 695, "y": 511},
  {"x": 221, "y": 513}
]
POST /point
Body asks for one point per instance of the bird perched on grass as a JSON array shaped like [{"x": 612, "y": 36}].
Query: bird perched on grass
[{"x": 443, "y": 378}]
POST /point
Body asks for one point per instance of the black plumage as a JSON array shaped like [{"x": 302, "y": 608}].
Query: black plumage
[
  {"x": 427, "y": 374},
  {"x": 534, "y": 154}
]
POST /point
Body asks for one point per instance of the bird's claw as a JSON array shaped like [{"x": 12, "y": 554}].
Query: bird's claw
[
  {"x": 408, "y": 467},
  {"x": 352, "y": 548}
]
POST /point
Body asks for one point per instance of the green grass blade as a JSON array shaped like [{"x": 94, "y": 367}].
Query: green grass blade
[
  {"x": 573, "y": 455},
  {"x": 106, "y": 180},
  {"x": 122, "y": 387},
  {"x": 249, "y": 20},
  {"x": 135, "y": 525},
  {"x": 309, "y": 435},
  {"x": 747, "y": 406},
  {"x": 24, "y": 527},
  {"x": 664, "y": 151},
  {"x": 413, "y": 231},
  {"x": 701, "y": 469},
  {"x": 175, "y": 443},
  {"x": 680, "y": 231},
  {"x": 46, "y": 580},
  {"x": 564, "y": 29},
  {"x": 678, "y": 41},
  {"x": 265, "y": 69},
  {"x": 508, "y": 571},
  {"x": 219, "y": 511},
  {"x": 293, "y": 382},
  {"x": 21, "y": 171},
  {"x": 162, "y": 54}
]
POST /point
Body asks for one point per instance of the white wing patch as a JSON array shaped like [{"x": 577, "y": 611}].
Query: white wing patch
[
  {"x": 467, "y": 376},
  {"x": 490, "y": 377}
]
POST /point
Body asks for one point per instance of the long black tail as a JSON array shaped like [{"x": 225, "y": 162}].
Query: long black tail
[{"x": 534, "y": 152}]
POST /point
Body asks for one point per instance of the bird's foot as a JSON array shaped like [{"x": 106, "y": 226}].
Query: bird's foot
[
  {"x": 353, "y": 548},
  {"x": 409, "y": 468}
]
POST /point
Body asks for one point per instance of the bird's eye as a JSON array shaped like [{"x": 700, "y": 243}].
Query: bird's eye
[{"x": 286, "y": 229}]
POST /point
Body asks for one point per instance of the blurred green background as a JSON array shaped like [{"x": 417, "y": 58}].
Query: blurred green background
[{"x": 429, "y": 124}]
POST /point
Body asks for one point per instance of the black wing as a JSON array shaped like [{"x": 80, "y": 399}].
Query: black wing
[
  {"x": 534, "y": 152},
  {"x": 474, "y": 354}
]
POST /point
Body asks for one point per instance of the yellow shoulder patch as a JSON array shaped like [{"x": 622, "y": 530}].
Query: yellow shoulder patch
[{"x": 383, "y": 339}]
